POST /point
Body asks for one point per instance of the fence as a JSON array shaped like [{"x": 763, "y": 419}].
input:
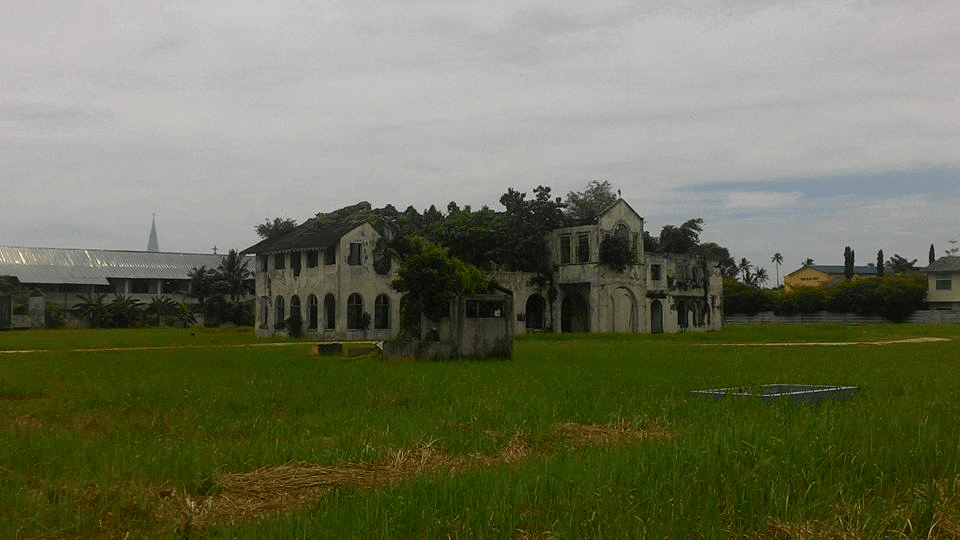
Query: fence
[{"x": 768, "y": 317}]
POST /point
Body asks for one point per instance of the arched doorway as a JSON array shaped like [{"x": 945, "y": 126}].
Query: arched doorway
[
  {"x": 624, "y": 311},
  {"x": 656, "y": 317},
  {"x": 534, "y": 312},
  {"x": 574, "y": 313}
]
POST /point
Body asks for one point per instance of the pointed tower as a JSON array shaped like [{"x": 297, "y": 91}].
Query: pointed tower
[{"x": 153, "y": 244}]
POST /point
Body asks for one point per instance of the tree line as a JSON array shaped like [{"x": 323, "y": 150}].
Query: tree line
[{"x": 220, "y": 295}]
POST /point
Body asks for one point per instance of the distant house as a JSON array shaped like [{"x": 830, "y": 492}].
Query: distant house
[
  {"x": 820, "y": 275},
  {"x": 943, "y": 283},
  {"x": 62, "y": 275}
]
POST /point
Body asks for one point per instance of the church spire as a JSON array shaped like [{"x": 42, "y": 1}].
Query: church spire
[{"x": 153, "y": 244}]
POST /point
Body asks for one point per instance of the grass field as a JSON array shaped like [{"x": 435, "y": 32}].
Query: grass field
[{"x": 579, "y": 436}]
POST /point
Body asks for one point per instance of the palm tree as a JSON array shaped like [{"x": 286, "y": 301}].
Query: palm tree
[
  {"x": 203, "y": 287},
  {"x": 124, "y": 310},
  {"x": 93, "y": 309},
  {"x": 777, "y": 260},
  {"x": 744, "y": 269},
  {"x": 159, "y": 307},
  {"x": 761, "y": 276},
  {"x": 236, "y": 279}
]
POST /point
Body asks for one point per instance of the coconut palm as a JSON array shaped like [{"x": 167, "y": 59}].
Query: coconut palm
[
  {"x": 744, "y": 269},
  {"x": 761, "y": 276},
  {"x": 777, "y": 260}
]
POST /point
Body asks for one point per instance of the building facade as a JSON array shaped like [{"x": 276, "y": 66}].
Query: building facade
[
  {"x": 331, "y": 278},
  {"x": 328, "y": 279},
  {"x": 943, "y": 283},
  {"x": 820, "y": 275}
]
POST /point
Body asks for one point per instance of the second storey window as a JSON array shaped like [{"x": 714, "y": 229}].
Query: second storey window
[
  {"x": 944, "y": 284},
  {"x": 279, "y": 261},
  {"x": 583, "y": 247},
  {"x": 295, "y": 262},
  {"x": 312, "y": 258},
  {"x": 656, "y": 272},
  {"x": 564, "y": 249},
  {"x": 356, "y": 253}
]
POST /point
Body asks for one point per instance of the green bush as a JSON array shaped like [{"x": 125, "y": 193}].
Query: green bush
[{"x": 894, "y": 297}]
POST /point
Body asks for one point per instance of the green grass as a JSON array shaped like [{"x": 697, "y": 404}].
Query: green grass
[{"x": 101, "y": 443}]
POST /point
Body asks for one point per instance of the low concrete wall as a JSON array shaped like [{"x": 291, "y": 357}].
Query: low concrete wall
[{"x": 768, "y": 317}]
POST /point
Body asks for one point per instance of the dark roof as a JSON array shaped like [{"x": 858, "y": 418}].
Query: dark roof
[
  {"x": 945, "y": 264},
  {"x": 838, "y": 269},
  {"x": 319, "y": 232}
]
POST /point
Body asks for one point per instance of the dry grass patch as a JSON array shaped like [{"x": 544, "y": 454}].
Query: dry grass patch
[{"x": 287, "y": 487}]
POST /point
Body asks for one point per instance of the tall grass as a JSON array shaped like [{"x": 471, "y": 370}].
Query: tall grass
[{"x": 99, "y": 443}]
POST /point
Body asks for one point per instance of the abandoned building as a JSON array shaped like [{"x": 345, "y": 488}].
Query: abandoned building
[{"x": 329, "y": 274}]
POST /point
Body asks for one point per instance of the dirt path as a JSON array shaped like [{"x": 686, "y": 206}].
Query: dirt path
[
  {"x": 830, "y": 343},
  {"x": 158, "y": 347}
]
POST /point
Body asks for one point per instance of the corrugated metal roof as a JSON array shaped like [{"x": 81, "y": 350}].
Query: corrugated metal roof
[{"x": 94, "y": 266}]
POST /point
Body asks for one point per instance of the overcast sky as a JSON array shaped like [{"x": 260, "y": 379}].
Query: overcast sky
[{"x": 791, "y": 127}]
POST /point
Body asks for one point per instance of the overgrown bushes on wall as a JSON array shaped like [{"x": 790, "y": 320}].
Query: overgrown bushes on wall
[{"x": 894, "y": 297}]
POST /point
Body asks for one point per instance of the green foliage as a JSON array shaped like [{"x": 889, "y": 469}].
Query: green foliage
[
  {"x": 848, "y": 262},
  {"x": 94, "y": 309},
  {"x": 720, "y": 257},
  {"x": 430, "y": 278},
  {"x": 276, "y": 228},
  {"x": 894, "y": 297},
  {"x": 53, "y": 315},
  {"x": 615, "y": 253},
  {"x": 898, "y": 264},
  {"x": 584, "y": 207},
  {"x": 124, "y": 311},
  {"x": 525, "y": 225},
  {"x": 474, "y": 237},
  {"x": 743, "y": 298},
  {"x": 159, "y": 308},
  {"x": 682, "y": 239}
]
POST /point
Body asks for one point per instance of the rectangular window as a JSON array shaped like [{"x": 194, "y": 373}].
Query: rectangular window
[
  {"x": 330, "y": 255},
  {"x": 583, "y": 247},
  {"x": 484, "y": 309},
  {"x": 944, "y": 285},
  {"x": 263, "y": 262},
  {"x": 312, "y": 258},
  {"x": 356, "y": 251},
  {"x": 279, "y": 261},
  {"x": 295, "y": 263},
  {"x": 656, "y": 272},
  {"x": 564, "y": 249}
]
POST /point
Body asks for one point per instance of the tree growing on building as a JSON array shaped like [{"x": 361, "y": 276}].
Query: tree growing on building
[
  {"x": 276, "y": 228},
  {"x": 583, "y": 207}
]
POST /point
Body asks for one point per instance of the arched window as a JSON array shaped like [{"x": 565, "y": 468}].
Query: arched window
[
  {"x": 355, "y": 312},
  {"x": 279, "y": 313},
  {"x": 329, "y": 312},
  {"x": 381, "y": 312},
  {"x": 312, "y": 311},
  {"x": 295, "y": 312},
  {"x": 621, "y": 231}
]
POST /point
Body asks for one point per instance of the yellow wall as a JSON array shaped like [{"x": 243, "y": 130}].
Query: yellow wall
[{"x": 805, "y": 277}]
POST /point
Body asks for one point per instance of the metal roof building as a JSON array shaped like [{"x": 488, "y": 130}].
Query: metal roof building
[{"x": 53, "y": 266}]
